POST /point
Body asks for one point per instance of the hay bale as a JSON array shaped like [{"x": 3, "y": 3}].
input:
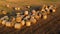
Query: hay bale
[
  {"x": 8, "y": 24},
  {"x": 28, "y": 23},
  {"x": 26, "y": 13},
  {"x": 27, "y": 17},
  {"x": 18, "y": 19},
  {"x": 8, "y": 5},
  {"x": 13, "y": 19},
  {"x": 23, "y": 22},
  {"x": 17, "y": 8},
  {"x": 4, "y": 12},
  {"x": 54, "y": 10},
  {"x": 33, "y": 12},
  {"x": 33, "y": 20},
  {"x": 44, "y": 17},
  {"x": 37, "y": 17},
  {"x": 28, "y": 6},
  {"x": 3, "y": 22},
  {"x": 17, "y": 26}
]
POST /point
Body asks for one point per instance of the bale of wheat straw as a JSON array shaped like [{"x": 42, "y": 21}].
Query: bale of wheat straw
[
  {"x": 8, "y": 24},
  {"x": 4, "y": 22},
  {"x": 23, "y": 22},
  {"x": 17, "y": 26},
  {"x": 28, "y": 23},
  {"x": 26, "y": 13},
  {"x": 33, "y": 20}
]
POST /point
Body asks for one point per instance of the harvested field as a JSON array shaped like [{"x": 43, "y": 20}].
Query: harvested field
[{"x": 49, "y": 26}]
